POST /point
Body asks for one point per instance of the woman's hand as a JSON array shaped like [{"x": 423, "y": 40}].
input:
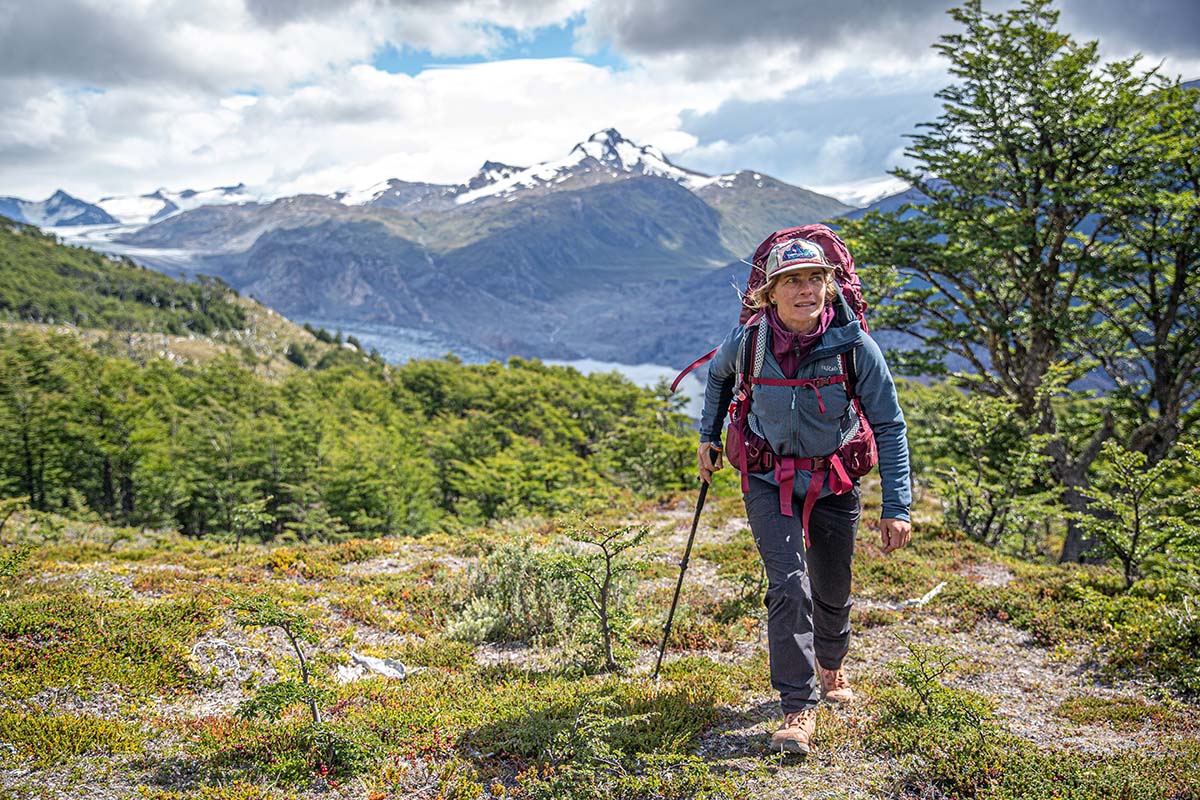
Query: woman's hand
[
  {"x": 708, "y": 460},
  {"x": 894, "y": 533}
]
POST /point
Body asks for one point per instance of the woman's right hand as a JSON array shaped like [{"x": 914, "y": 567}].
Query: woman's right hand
[{"x": 708, "y": 460}]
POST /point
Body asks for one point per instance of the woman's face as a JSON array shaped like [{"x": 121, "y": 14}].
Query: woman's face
[{"x": 799, "y": 298}]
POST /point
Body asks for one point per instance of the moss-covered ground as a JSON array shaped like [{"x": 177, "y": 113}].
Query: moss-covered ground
[{"x": 123, "y": 669}]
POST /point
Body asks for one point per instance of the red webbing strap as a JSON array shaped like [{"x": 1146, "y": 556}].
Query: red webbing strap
[
  {"x": 815, "y": 484},
  {"x": 809, "y": 383},
  {"x": 785, "y": 473},
  {"x": 839, "y": 479},
  {"x": 704, "y": 359},
  {"x": 779, "y": 381}
]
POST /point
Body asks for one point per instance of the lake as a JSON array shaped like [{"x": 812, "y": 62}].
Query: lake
[{"x": 398, "y": 345}]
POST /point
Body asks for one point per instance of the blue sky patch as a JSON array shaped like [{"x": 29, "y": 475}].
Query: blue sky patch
[{"x": 551, "y": 41}]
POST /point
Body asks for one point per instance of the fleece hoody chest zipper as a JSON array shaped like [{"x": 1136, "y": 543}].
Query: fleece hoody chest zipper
[{"x": 815, "y": 355}]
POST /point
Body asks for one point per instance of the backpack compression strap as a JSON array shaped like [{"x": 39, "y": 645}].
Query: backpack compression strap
[{"x": 702, "y": 360}]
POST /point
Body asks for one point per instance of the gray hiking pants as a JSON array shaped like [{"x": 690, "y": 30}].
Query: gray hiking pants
[{"x": 808, "y": 594}]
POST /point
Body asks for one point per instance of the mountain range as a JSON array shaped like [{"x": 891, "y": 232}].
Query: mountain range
[
  {"x": 610, "y": 252},
  {"x": 58, "y": 209}
]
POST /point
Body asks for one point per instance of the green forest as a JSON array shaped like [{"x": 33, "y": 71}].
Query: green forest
[
  {"x": 275, "y": 566},
  {"x": 352, "y": 449},
  {"x": 42, "y": 280}
]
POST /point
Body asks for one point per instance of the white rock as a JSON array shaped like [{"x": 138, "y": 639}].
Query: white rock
[
  {"x": 387, "y": 667},
  {"x": 348, "y": 673}
]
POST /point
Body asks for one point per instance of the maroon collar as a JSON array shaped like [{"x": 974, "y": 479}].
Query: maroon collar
[{"x": 790, "y": 348}]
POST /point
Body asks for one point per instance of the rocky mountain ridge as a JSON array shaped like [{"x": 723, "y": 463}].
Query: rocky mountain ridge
[{"x": 605, "y": 253}]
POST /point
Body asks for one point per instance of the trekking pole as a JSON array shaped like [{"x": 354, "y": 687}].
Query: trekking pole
[{"x": 683, "y": 565}]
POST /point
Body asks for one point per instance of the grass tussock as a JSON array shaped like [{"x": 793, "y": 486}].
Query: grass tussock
[{"x": 47, "y": 739}]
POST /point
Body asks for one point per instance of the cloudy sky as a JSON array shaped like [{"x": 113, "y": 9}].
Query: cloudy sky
[{"x": 113, "y": 97}]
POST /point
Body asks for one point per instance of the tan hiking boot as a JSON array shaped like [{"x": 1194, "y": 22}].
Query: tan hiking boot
[
  {"x": 795, "y": 736},
  {"x": 835, "y": 685}
]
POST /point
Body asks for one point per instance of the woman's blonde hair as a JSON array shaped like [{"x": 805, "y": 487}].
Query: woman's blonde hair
[{"x": 761, "y": 297}]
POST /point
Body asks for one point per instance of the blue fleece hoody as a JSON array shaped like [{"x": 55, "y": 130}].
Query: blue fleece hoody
[{"x": 791, "y": 419}]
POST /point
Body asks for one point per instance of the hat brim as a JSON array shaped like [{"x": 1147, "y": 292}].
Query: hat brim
[{"x": 797, "y": 267}]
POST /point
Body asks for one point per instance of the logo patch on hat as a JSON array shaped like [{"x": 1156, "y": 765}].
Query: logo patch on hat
[{"x": 801, "y": 251}]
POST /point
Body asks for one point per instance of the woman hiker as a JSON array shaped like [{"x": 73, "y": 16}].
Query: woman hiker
[{"x": 809, "y": 326}]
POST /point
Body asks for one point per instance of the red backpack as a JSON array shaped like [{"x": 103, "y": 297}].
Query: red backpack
[
  {"x": 744, "y": 449},
  {"x": 836, "y": 253}
]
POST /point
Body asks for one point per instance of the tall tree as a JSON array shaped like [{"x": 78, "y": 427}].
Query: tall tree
[
  {"x": 38, "y": 444},
  {"x": 1037, "y": 144},
  {"x": 1147, "y": 294}
]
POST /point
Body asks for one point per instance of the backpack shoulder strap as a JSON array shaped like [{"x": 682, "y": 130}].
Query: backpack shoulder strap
[
  {"x": 750, "y": 347},
  {"x": 752, "y": 351},
  {"x": 760, "y": 345},
  {"x": 850, "y": 370}
]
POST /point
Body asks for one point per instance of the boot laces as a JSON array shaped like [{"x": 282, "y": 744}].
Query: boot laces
[
  {"x": 797, "y": 718},
  {"x": 836, "y": 679}
]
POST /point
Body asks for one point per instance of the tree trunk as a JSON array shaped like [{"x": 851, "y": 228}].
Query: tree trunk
[
  {"x": 1076, "y": 545},
  {"x": 127, "y": 495},
  {"x": 1072, "y": 474},
  {"x": 108, "y": 493}
]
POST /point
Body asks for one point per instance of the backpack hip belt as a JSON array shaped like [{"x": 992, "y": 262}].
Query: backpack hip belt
[{"x": 819, "y": 468}]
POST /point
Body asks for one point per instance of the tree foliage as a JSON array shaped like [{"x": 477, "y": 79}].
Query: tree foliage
[
  {"x": 1138, "y": 509},
  {"x": 43, "y": 281},
  {"x": 1146, "y": 293},
  {"x": 357, "y": 448},
  {"x": 1057, "y": 235},
  {"x": 598, "y": 576},
  {"x": 985, "y": 466}
]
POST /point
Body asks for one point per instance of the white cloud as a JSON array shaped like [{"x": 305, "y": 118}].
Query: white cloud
[
  {"x": 108, "y": 98},
  {"x": 841, "y": 149},
  {"x": 442, "y": 124},
  {"x": 350, "y": 128}
]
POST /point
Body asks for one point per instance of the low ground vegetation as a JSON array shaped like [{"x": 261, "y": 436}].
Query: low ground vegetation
[{"x": 169, "y": 662}]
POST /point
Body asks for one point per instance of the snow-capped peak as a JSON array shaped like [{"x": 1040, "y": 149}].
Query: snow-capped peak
[
  {"x": 864, "y": 192},
  {"x": 492, "y": 172},
  {"x": 163, "y": 203},
  {"x": 59, "y": 208},
  {"x": 610, "y": 147},
  {"x": 605, "y": 155}
]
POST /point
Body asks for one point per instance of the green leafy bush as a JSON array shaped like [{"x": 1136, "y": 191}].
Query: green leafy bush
[
  {"x": 512, "y": 596},
  {"x": 1136, "y": 510},
  {"x": 957, "y": 748}
]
